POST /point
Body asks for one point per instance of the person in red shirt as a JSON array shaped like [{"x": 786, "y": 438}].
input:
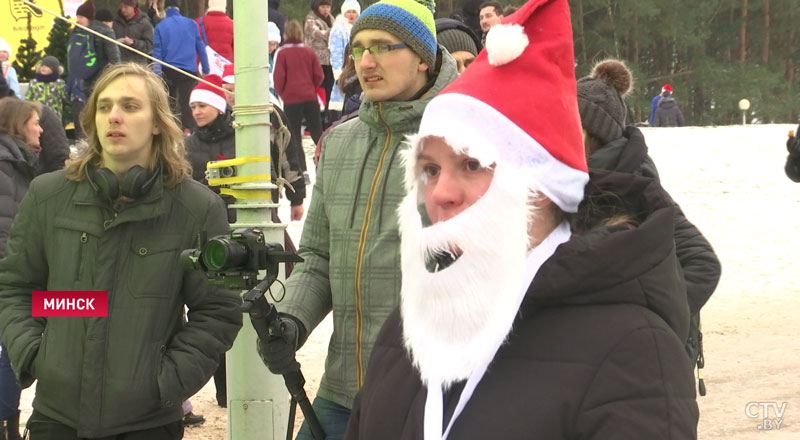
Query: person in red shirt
[
  {"x": 216, "y": 29},
  {"x": 297, "y": 76}
]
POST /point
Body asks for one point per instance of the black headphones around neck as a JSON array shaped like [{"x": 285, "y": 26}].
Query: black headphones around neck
[{"x": 137, "y": 182}]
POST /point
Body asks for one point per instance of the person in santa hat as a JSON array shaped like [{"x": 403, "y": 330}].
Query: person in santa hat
[
  {"x": 666, "y": 88},
  {"x": 668, "y": 114},
  {"x": 533, "y": 304},
  {"x": 215, "y": 140}
]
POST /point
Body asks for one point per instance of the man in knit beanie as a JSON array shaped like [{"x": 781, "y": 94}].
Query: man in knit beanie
[
  {"x": 85, "y": 65},
  {"x": 86, "y": 10},
  {"x": 459, "y": 40},
  {"x": 404, "y": 26},
  {"x": 133, "y": 28},
  {"x": 350, "y": 243}
]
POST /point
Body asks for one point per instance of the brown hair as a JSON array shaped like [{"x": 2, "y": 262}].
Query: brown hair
[
  {"x": 601, "y": 208},
  {"x": 14, "y": 114},
  {"x": 347, "y": 69},
  {"x": 294, "y": 31},
  {"x": 167, "y": 145}
]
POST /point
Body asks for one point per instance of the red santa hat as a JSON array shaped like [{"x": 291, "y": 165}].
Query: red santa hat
[
  {"x": 227, "y": 73},
  {"x": 209, "y": 95},
  {"x": 517, "y": 104},
  {"x": 666, "y": 88}
]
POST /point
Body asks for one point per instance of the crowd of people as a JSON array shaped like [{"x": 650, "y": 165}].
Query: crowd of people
[{"x": 459, "y": 234}]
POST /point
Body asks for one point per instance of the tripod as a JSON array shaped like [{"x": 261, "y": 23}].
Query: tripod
[{"x": 264, "y": 317}]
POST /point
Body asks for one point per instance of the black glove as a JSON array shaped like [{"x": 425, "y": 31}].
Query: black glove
[{"x": 278, "y": 353}]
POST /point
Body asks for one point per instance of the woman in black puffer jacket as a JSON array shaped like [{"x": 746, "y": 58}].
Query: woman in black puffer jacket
[
  {"x": 19, "y": 148},
  {"x": 214, "y": 140},
  {"x": 610, "y": 145}
]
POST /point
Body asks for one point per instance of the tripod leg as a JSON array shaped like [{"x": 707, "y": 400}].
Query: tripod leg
[{"x": 292, "y": 415}]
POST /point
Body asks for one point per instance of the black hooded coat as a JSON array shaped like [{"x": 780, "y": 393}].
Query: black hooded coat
[{"x": 596, "y": 350}]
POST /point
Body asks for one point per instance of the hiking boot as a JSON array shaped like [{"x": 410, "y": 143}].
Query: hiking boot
[{"x": 192, "y": 419}]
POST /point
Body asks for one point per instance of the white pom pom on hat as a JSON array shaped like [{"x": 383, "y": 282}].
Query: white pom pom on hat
[{"x": 505, "y": 43}]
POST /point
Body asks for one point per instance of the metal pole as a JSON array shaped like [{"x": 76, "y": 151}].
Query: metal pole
[
  {"x": 258, "y": 402},
  {"x": 744, "y": 117}
]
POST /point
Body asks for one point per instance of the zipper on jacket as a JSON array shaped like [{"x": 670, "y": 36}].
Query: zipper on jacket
[
  {"x": 81, "y": 254},
  {"x": 362, "y": 242}
]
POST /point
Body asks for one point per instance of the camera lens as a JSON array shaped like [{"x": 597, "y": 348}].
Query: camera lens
[
  {"x": 227, "y": 171},
  {"x": 223, "y": 254}
]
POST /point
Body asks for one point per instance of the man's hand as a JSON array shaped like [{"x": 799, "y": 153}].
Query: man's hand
[
  {"x": 297, "y": 212},
  {"x": 278, "y": 353},
  {"x": 126, "y": 40}
]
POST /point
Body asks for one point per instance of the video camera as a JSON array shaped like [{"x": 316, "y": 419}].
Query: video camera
[{"x": 234, "y": 260}]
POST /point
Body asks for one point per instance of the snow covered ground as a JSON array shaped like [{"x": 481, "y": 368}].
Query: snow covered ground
[{"x": 730, "y": 182}]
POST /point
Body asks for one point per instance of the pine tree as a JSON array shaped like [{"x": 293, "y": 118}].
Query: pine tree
[
  {"x": 58, "y": 39},
  {"x": 27, "y": 57}
]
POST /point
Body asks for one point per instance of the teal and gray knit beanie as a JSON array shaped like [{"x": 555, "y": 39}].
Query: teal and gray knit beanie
[{"x": 409, "y": 20}]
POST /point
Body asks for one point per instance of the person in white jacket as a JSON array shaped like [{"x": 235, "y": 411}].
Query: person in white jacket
[
  {"x": 9, "y": 73},
  {"x": 339, "y": 39}
]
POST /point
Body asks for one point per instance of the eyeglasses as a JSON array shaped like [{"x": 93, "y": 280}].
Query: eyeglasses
[{"x": 376, "y": 51}]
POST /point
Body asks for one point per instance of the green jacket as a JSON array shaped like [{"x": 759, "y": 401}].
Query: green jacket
[
  {"x": 350, "y": 241},
  {"x": 132, "y": 369}
]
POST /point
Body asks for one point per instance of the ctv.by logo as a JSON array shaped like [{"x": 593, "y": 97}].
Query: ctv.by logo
[{"x": 763, "y": 410}]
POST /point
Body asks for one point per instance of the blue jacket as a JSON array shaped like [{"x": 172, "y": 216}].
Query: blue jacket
[
  {"x": 177, "y": 41},
  {"x": 653, "y": 107}
]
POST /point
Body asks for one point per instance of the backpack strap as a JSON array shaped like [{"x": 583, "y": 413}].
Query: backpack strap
[{"x": 203, "y": 28}]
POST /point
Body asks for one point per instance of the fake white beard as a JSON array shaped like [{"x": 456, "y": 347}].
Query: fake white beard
[{"x": 454, "y": 320}]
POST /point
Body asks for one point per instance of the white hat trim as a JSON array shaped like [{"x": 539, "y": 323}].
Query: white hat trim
[
  {"x": 471, "y": 126},
  {"x": 209, "y": 97}
]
